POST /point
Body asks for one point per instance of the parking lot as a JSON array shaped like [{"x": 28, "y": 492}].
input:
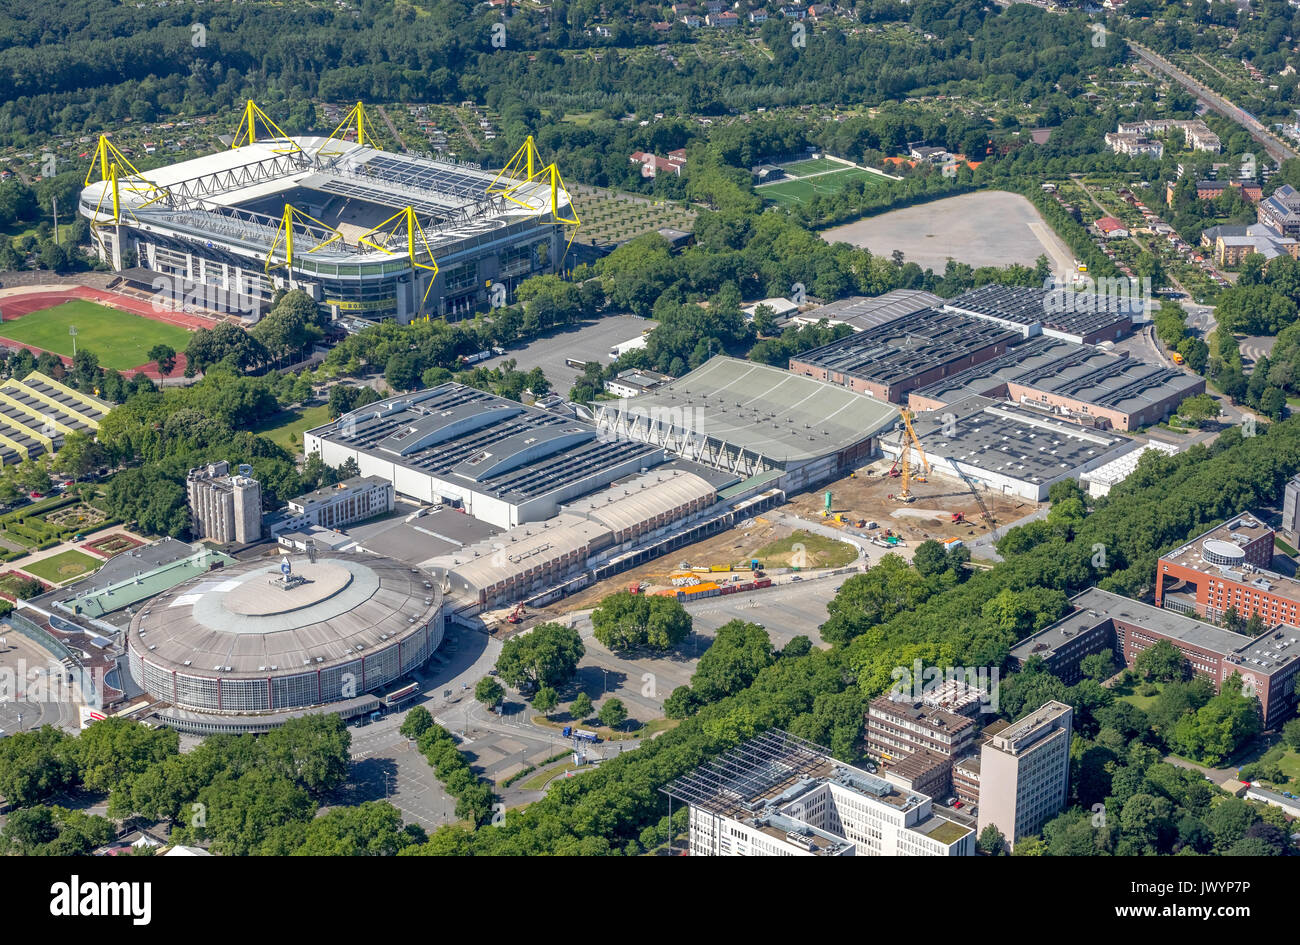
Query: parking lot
[
  {"x": 30, "y": 687},
  {"x": 589, "y": 341},
  {"x": 643, "y": 682}
]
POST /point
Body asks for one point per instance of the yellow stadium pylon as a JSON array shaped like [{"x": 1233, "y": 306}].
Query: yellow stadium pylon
[
  {"x": 358, "y": 116},
  {"x": 415, "y": 238},
  {"x": 247, "y": 133},
  {"x": 284, "y": 237},
  {"x": 521, "y": 167}
]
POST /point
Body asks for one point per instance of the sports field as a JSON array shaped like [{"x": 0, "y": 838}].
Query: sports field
[
  {"x": 120, "y": 339},
  {"x": 787, "y": 193},
  {"x": 811, "y": 166}
]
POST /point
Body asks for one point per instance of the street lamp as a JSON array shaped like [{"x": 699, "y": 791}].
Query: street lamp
[{"x": 72, "y": 330}]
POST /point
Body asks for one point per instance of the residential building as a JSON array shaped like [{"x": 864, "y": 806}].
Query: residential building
[
  {"x": 224, "y": 508},
  {"x": 725, "y": 20},
  {"x": 1024, "y": 772},
  {"x": 1134, "y": 145},
  {"x": 1209, "y": 189},
  {"x": 1290, "y": 527},
  {"x": 778, "y": 795},
  {"x": 1233, "y": 250},
  {"x": 1280, "y": 211}
]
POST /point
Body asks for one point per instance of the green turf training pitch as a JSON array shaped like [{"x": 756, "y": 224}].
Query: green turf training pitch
[
  {"x": 812, "y": 166},
  {"x": 787, "y": 193},
  {"x": 120, "y": 339}
]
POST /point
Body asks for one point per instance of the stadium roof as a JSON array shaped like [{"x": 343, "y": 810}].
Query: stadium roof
[
  {"x": 783, "y": 416},
  {"x": 239, "y": 195}
]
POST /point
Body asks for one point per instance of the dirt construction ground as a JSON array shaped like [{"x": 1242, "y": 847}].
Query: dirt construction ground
[
  {"x": 929, "y": 515},
  {"x": 729, "y": 547},
  {"x": 864, "y": 496}
]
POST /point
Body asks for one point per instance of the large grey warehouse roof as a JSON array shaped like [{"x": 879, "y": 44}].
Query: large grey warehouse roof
[
  {"x": 1096, "y": 377},
  {"x": 783, "y": 416},
  {"x": 496, "y": 446},
  {"x": 1067, "y": 369},
  {"x": 863, "y": 312},
  {"x": 1076, "y": 313},
  {"x": 907, "y": 347},
  {"x": 1039, "y": 351},
  {"x": 237, "y": 622},
  {"x": 1010, "y": 440}
]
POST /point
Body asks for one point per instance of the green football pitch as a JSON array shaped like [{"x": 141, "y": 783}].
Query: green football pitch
[
  {"x": 786, "y": 193},
  {"x": 120, "y": 339},
  {"x": 811, "y": 166}
]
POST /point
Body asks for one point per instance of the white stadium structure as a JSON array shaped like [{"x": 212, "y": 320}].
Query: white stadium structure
[{"x": 364, "y": 231}]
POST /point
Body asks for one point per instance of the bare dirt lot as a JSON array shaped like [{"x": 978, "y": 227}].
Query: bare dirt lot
[
  {"x": 866, "y": 496},
  {"x": 729, "y": 547},
  {"x": 990, "y": 228}
]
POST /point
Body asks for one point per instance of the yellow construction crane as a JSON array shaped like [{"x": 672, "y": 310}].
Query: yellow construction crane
[{"x": 909, "y": 440}]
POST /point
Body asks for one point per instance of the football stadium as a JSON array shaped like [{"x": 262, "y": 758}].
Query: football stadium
[{"x": 367, "y": 232}]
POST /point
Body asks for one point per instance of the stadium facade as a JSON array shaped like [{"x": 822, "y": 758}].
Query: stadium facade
[{"x": 367, "y": 232}]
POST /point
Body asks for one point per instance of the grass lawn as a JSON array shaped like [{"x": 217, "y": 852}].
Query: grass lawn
[
  {"x": 287, "y": 428},
  {"x": 1283, "y": 547},
  {"x": 818, "y": 552},
  {"x": 121, "y": 339},
  {"x": 803, "y": 190},
  {"x": 1128, "y": 693},
  {"x": 63, "y": 567},
  {"x": 545, "y": 777}
]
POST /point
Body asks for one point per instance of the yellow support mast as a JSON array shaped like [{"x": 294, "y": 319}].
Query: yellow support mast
[
  {"x": 416, "y": 243},
  {"x": 284, "y": 238},
  {"x": 910, "y": 440},
  {"x": 357, "y": 117},
  {"x": 247, "y": 133}
]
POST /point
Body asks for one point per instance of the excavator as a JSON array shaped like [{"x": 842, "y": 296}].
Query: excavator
[{"x": 517, "y": 615}]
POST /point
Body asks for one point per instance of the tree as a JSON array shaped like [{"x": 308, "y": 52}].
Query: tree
[
  {"x": 548, "y": 655},
  {"x": 417, "y": 721},
  {"x": 580, "y": 707},
  {"x": 1199, "y": 409},
  {"x": 1291, "y": 734},
  {"x": 613, "y": 713},
  {"x": 80, "y": 455},
  {"x": 930, "y": 558},
  {"x": 488, "y": 691},
  {"x": 545, "y": 700},
  {"x": 164, "y": 356},
  {"x": 991, "y": 842},
  {"x": 1161, "y": 662},
  {"x": 740, "y": 651},
  {"x": 626, "y": 621},
  {"x": 1098, "y": 666}
]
